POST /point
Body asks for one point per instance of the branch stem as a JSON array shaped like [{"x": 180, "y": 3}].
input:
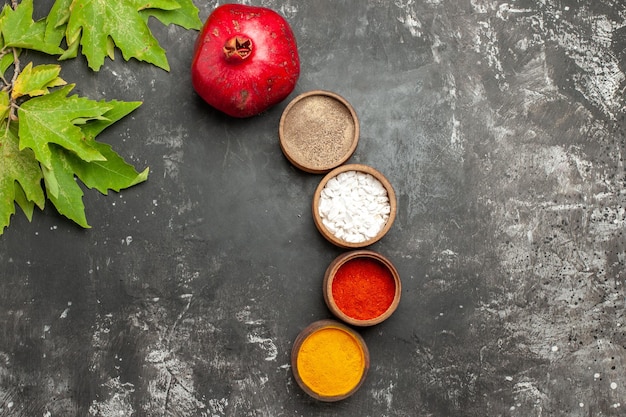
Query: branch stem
[{"x": 9, "y": 86}]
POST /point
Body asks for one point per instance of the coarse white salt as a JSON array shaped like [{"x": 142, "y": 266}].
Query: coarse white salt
[{"x": 354, "y": 206}]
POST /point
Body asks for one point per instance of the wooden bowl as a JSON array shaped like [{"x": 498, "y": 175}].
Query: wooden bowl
[
  {"x": 329, "y": 360},
  {"x": 373, "y": 271},
  {"x": 338, "y": 237},
  {"x": 318, "y": 131}
]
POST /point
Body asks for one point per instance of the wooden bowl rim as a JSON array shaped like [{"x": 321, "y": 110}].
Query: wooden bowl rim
[
  {"x": 314, "y": 327},
  {"x": 298, "y": 163},
  {"x": 390, "y": 194},
  {"x": 329, "y": 276}
]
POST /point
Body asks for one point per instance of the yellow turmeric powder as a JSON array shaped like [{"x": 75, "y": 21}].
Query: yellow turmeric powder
[{"x": 331, "y": 362}]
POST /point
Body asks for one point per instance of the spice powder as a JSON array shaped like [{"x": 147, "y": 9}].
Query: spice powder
[
  {"x": 319, "y": 132},
  {"x": 363, "y": 288},
  {"x": 331, "y": 362}
]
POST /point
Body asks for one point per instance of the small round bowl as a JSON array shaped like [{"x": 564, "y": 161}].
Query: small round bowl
[
  {"x": 344, "y": 236},
  {"x": 318, "y": 131},
  {"x": 362, "y": 288},
  {"x": 329, "y": 360}
]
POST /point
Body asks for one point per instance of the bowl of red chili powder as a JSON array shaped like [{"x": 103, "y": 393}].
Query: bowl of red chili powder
[{"x": 362, "y": 287}]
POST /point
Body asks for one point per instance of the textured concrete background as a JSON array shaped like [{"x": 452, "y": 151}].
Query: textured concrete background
[{"x": 501, "y": 125}]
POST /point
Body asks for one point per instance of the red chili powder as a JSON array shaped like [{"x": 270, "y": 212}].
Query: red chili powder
[{"x": 363, "y": 288}]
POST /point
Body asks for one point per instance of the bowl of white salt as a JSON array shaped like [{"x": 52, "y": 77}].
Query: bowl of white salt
[{"x": 354, "y": 206}]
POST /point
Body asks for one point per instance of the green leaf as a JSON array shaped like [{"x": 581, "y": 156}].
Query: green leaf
[
  {"x": 113, "y": 174},
  {"x": 71, "y": 51},
  {"x": 18, "y": 167},
  {"x": 185, "y": 16},
  {"x": 67, "y": 195},
  {"x": 4, "y": 105},
  {"x": 56, "y": 21},
  {"x": 63, "y": 190},
  {"x": 53, "y": 119},
  {"x": 8, "y": 57},
  {"x": 35, "y": 81},
  {"x": 27, "y": 206},
  {"x": 20, "y": 31},
  {"x": 119, "y": 109},
  {"x": 101, "y": 23}
]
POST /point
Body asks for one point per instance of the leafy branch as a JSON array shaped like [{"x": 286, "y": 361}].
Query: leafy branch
[{"x": 47, "y": 136}]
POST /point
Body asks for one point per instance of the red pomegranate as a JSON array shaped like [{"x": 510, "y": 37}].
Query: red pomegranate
[{"x": 245, "y": 60}]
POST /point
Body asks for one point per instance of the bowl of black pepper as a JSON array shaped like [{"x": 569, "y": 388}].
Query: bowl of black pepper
[{"x": 318, "y": 131}]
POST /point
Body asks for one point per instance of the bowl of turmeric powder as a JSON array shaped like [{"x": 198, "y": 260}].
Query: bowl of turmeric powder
[
  {"x": 362, "y": 287},
  {"x": 329, "y": 360}
]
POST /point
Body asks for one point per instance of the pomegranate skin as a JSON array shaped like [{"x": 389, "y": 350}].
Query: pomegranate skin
[{"x": 245, "y": 60}]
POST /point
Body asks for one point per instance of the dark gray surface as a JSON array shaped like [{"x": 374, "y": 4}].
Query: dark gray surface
[{"x": 501, "y": 126}]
